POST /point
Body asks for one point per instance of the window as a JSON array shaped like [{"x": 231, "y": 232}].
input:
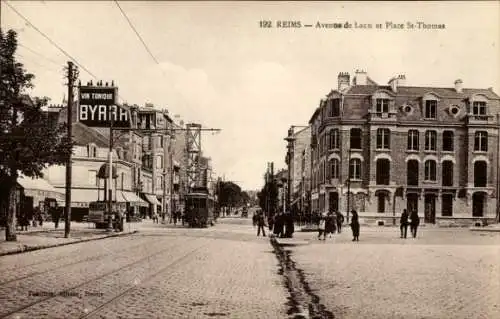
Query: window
[
  {"x": 355, "y": 169},
  {"x": 430, "y": 140},
  {"x": 430, "y": 111},
  {"x": 356, "y": 138},
  {"x": 430, "y": 170},
  {"x": 412, "y": 173},
  {"x": 383, "y": 138},
  {"x": 383, "y": 172},
  {"x": 382, "y": 106},
  {"x": 447, "y": 173},
  {"x": 159, "y": 182},
  {"x": 159, "y": 161},
  {"x": 93, "y": 178},
  {"x": 334, "y": 168},
  {"x": 413, "y": 140},
  {"x": 480, "y": 174},
  {"x": 481, "y": 141},
  {"x": 447, "y": 205},
  {"x": 91, "y": 150},
  {"x": 448, "y": 141},
  {"x": 334, "y": 139},
  {"x": 334, "y": 108},
  {"x": 161, "y": 141},
  {"x": 479, "y": 108}
]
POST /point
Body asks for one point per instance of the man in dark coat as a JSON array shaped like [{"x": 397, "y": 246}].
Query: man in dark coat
[
  {"x": 415, "y": 221},
  {"x": 289, "y": 225},
  {"x": 330, "y": 223},
  {"x": 355, "y": 225},
  {"x": 340, "y": 220},
  {"x": 260, "y": 224},
  {"x": 404, "y": 223},
  {"x": 278, "y": 225}
]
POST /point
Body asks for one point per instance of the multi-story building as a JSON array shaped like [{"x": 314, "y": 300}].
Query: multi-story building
[
  {"x": 144, "y": 157},
  {"x": 300, "y": 167},
  {"x": 381, "y": 148}
]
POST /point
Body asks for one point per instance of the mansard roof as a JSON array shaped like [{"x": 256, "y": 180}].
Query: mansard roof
[
  {"x": 418, "y": 91},
  {"x": 84, "y": 135}
]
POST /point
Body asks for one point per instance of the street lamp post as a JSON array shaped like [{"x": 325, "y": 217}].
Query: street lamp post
[{"x": 349, "y": 185}]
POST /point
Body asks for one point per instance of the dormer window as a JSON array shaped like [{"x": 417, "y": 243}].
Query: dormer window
[
  {"x": 382, "y": 106},
  {"x": 91, "y": 150},
  {"x": 334, "y": 110},
  {"x": 479, "y": 108},
  {"x": 430, "y": 110}
]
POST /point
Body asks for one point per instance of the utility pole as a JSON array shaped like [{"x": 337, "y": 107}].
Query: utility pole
[
  {"x": 349, "y": 185},
  {"x": 67, "y": 213}
]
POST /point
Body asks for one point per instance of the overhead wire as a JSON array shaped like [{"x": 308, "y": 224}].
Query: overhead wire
[
  {"x": 29, "y": 23},
  {"x": 39, "y": 54},
  {"x": 143, "y": 42},
  {"x": 49, "y": 39},
  {"x": 136, "y": 32}
]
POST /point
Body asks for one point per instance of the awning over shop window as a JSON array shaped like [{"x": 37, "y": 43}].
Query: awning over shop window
[
  {"x": 39, "y": 187},
  {"x": 132, "y": 198},
  {"x": 152, "y": 199},
  {"x": 82, "y": 197}
]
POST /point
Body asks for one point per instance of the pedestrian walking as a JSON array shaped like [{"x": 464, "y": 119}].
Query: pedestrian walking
[
  {"x": 415, "y": 221},
  {"x": 355, "y": 225},
  {"x": 270, "y": 222},
  {"x": 260, "y": 225},
  {"x": 321, "y": 226},
  {"x": 330, "y": 224},
  {"x": 340, "y": 220},
  {"x": 289, "y": 225},
  {"x": 278, "y": 225},
  {"x": 254, "y": 218},
  {"x": 404, "y": 223}
]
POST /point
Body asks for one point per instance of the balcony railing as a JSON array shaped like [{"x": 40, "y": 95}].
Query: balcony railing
[{"x": 480, "y": 118}]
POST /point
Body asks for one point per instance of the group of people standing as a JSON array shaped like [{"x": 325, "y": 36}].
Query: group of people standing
[
  {"x": 414, "y": 222},
  {"x": 281, "y": 224},
  {"x": 332, "y": 223}
]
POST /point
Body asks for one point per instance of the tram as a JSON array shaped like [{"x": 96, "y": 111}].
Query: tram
[
  {"x": 99, "y": 212},
  {"x": 199, "y": 208}
]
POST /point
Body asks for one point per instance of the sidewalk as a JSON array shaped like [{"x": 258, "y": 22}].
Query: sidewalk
[{"x": 47, "y": 236}]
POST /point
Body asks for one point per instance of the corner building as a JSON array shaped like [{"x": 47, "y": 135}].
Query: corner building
[{"x": 395, "y": 146}]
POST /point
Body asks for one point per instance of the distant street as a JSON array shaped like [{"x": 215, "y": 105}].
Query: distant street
[{"x": 227, "y": 272}]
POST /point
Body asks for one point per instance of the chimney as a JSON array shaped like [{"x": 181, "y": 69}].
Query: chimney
[
  {"x": 343, "y": 80},
  {"x": 401, "y": 80},
  {"x": 458, "y": 86},
  {"x": 393, "y": 83},
  {"x": 360, "y": 78}
]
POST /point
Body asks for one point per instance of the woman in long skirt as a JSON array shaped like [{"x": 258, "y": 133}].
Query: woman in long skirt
[{"x": 355, "y": 225}]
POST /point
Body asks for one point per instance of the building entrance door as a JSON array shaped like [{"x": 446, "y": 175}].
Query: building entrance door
[
  {"x": 478, "y": 204},
  {"x": 430, "y": 208},
  {"x": 411, "y": 202},
  {"x": 333, "y": 199}
]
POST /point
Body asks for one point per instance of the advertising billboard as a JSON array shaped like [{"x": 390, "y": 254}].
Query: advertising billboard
[{"x": 97, "y": 107}]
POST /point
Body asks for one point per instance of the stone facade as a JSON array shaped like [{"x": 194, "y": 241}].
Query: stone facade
[{"x": 426, "y": 148}]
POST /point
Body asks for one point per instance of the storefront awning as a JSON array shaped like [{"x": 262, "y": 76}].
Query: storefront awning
[
  {"x": 132, "y": 198},
  {"x": 39, "y": 187},
  {"x": 82, "y": 197},
  {"x": 152, "y": 199}
]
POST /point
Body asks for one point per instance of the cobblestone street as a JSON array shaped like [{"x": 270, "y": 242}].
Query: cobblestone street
[
  {"x": 227, "y": 272},
  {"x": 444, "y": 273},
  {"x": 159, "y": 273}
]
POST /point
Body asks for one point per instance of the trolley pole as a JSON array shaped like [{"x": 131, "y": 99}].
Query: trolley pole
[
  {"x": 67, "y": 215},
  {"x": 110, "y": 172}
]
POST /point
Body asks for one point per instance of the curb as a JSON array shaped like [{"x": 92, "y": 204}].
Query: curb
[
  {"x": 25, "y": 249},
  {"x": 481, "y": 229}
]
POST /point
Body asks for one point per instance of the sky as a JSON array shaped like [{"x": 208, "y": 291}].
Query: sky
[{"x": 216, "y": 66}]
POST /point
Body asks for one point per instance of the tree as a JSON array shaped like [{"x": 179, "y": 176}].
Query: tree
[
  {"x": 28, "y": 142},
  {"x": 268, "y": 197}
]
